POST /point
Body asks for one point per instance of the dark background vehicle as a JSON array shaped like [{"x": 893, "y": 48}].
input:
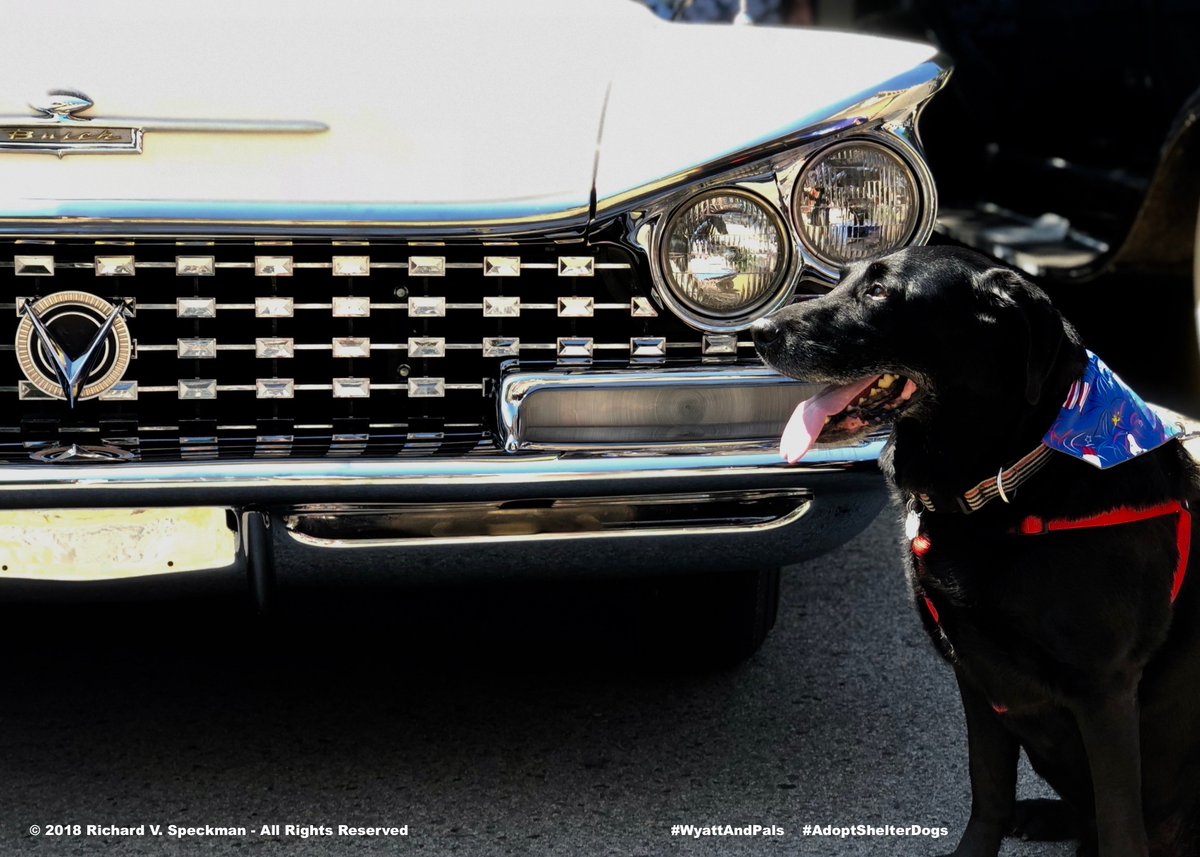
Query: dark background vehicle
[{"x": 1067, "y": 144}]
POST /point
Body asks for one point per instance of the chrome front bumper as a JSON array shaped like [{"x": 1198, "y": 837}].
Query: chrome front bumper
[
  {"x": 634, "y": 470},
  {"x": 300, "y": 521},
  {"x": 483, "y": 476}
]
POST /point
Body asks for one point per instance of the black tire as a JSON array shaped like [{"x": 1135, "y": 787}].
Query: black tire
[{"x": 711, "y": 618}]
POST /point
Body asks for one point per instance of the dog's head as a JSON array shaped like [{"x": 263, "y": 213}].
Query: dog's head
[{"x": 902, "y": 334}]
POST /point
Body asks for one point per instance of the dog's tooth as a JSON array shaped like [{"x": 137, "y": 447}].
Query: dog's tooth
[{"x": 886, "y": 381}]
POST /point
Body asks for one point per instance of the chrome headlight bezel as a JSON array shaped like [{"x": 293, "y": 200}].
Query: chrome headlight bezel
[
  {"x": 821, "y": 156},
  {"x": 680, "y": 302},
  {"x": 771, "y": 179}
]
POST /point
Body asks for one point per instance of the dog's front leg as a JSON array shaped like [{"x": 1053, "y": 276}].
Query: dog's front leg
[
  {"x": 1110, "y": 727},
  {"x": 992, "y": 757}
]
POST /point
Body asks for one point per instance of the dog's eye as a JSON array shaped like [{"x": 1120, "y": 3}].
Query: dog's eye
[{"x": 877, "y": 293}]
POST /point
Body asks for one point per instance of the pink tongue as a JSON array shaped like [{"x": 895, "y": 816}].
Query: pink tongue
[{"x": 809, "y": 417}]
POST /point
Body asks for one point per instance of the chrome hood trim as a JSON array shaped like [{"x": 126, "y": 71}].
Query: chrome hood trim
[{"x": 409, "y": 151}]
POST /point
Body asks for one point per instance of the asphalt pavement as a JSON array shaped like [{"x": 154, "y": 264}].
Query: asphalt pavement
[{"x": 508, "y": 720}]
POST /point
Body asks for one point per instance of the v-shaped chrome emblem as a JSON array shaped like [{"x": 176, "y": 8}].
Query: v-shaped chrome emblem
[{"x": 72, "y": 372}]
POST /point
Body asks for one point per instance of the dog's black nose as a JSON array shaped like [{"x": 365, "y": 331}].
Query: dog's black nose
[{"x": 766, "y": 330}]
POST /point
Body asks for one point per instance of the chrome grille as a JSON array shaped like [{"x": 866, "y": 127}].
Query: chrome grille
[{"x": 247, "y": 349}]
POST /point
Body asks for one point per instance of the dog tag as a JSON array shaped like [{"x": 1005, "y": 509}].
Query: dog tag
[{"x": 912, "y": 524}]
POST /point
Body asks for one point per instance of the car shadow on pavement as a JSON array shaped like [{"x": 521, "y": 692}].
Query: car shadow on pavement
[{"x": 517, "y": 719}]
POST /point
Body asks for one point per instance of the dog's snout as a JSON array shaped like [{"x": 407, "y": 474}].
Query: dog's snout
[{"x": 766, "y": 330}]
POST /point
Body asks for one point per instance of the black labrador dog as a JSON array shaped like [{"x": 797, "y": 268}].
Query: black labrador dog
[{"x": 1079, "y": 642}]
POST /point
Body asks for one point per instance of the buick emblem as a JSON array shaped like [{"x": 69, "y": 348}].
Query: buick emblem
[{"x": 73, "y": 345}]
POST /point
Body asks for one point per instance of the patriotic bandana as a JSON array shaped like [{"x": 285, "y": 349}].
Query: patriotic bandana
[{"x": 1105, "y": 423}]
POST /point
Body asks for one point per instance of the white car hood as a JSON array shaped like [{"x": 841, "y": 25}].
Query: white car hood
[{"x": 483, "y": 111}]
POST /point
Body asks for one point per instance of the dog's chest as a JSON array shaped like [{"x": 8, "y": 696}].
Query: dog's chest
[
  {"x": 958, "y": 586},
  {"x": 1029, "y": 616}
]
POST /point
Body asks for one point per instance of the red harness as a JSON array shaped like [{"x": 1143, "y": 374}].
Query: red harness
[{"x": 1035, "y": 526}]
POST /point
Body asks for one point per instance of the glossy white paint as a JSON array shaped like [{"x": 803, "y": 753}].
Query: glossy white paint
[
  {"x": 689, "y": 95},
  {"x": 490, "y": 104}
]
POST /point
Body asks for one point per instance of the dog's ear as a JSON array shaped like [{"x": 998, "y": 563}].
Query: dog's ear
[{"x": 1042, "y": 326}]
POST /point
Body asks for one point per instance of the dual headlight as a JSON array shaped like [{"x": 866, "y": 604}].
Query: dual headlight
[{"x": 725, "y": 253}]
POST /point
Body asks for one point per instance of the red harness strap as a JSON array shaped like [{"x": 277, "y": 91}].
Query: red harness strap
[{"x": 1034, "y": 526}]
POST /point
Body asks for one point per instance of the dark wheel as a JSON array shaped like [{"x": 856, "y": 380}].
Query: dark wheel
[{"x": 710, "y": 618}]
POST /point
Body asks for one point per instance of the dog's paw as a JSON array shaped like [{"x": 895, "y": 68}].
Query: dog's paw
[{"x": 1045, "y": 820}]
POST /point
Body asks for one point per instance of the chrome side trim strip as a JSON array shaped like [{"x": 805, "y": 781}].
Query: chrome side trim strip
[{"x": 219, "y": 218}]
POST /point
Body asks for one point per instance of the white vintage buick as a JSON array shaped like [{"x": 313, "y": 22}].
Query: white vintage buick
[{"x": 302, "y": 292}]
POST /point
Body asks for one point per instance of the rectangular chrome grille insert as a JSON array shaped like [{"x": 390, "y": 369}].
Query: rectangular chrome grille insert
[
  {"x": 274, "y": 388},
  {"x": 502, "y": 266},
  {"x": 427, "y": 266},
  {"x": 26, "y": 390},
  {"x": 274, "y": 307},
  {"x": 114, "y": 266},
  {"x": 501, "y": 346},
  {"x": 274, "y": 347},
  {"x": 351, "y": 388},
  {"x": 197, "y": 388},
  {"x": 351, "y": 346},
  {"x": 422, "y": 307},
  {"x": 197, "y": 348},
  {"x": 33, "y": 266},
  {"x": 719, "y": 344},
  {"x": 195, "y": 266},
  {"x": 273, "y": 266},
  {"x": 501, "y": 307},
  {"x": 575, "y": 348},
  {"x": 122, "y": 391},
  {"x": 347, "y": 307},
  {"x": 351, "y": 266},
  {"x": 427, "y": 347},
  {"x": 641, "y": 307},
  {"x": 576, "y": 307},
  {"x": 648, "y": 348},
  {"x": 576, "y": 266},
  {"x": 196, "y": 307},
  {"x": 426, "y": 388}
]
